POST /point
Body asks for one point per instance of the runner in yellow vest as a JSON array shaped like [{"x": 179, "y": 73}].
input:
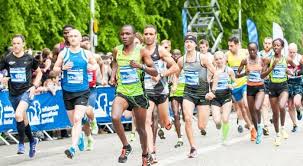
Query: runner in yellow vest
[{"x": 234, "y": 57}]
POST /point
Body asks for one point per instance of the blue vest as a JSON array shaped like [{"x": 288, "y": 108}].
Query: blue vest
[{"x": 75, "y": 79}]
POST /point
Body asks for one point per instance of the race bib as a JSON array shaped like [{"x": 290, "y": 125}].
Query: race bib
[
  {"x": 254, "y": 76},
  {"x": 279, "y": 71},
  {"x": 181, "y": 78},
  {"x": 90, "y": 76},
  {"x": 75, "y": 76},
  {"x": 223, "y": 82},
  {"x": 128, "y": 75},
  {"x": 18, "y": 74},
  {"x": 191, "y": 77}
]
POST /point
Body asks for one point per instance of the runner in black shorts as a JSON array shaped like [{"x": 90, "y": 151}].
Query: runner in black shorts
[
  {"x": 22, "y": 88},
  {"x": 221, "y": 105},
  {"x": 74, "y": 63},
  {"x": 176, "y": 97},
  {"x": 156, "y": 88}
]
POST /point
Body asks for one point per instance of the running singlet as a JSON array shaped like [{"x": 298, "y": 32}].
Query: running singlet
[
  {"x": 223, "y": 81},
  {"x": 295, "y": 70},
  {"x": 20, "y": 72},
  {"x": 278, "y": 74},
  {"x": 254, "y": 76},
  {"x": 76, "y": 78},
  {"x": 196, "y": 83},
  {"x": 92, "y": 78},
  {"x": 180, "y": 87},
  {"x": 153, "y": 88},
  {"x": 129, "y": 82},
  {"x": 234, "y": 62}
]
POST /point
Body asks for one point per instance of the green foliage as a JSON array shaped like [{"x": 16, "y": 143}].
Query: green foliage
[{"x": 41, "y": 21}]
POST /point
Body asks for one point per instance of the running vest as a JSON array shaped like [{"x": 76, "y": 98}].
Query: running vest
[
  {"x": 180, "y": 87},
  {"x": 234, "y": 62},
  {"x": 223, "y": 81},
  {"x": 92, "y": 78},
  {"x": 196, "y": 83},
  {"x": 295, "y": 78},
  {"x": 255, "y": 70},
  {"x": 129, "y": 82},
  {"x": 278, "y": 74},
  {"x": 152, "y": 87},
  {"x": 269, "y": 54},
  {"x": 75, "y": 79}
]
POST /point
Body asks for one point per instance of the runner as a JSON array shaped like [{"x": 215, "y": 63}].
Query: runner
[
  {"x": 95, "y": 78},
  {"x": 196, "y": 91},
  {"x": 128, "y": 59},
  {"x": 278, "y": 88},
  {"x": 132, "y": 137},
  {"x": 22, "y": 89},
  {"x": 176, "y": 97},
  {"x": 255, "y": 86},
  {"x": 221, "y": 105},
  {"x": 204, "y": 46},
  {"x": 156, "y": 87},
  {"x": 74, "y": 62},
  {"x": 266, "y": 53},
  {"x": 294, "y": 85},
  {"x": 234, "y": 57}
]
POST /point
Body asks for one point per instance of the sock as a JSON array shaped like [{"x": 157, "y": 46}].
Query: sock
[
  {"x": 180, "y": 139},
  {"x": 21, "y": 132},
  {"x": 282, "y": 127},
  {"x": 225, "y": 130},
  {"x": 277, "y": 134},
  {"x": 28, "y": 133},
  {"x": 240, "y": 122},
  {"x": 126, "y": 147}
]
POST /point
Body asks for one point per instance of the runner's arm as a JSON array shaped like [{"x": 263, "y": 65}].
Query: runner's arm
[
  {"x": 38, "y": 71},
  {"x": 114, "y": 66},
  {"x": 243, "y": 63},
  {"x": 171, "y": 64},
  {"x": 208, "y": 64},
  {"x": 266, "y": 70},
  {"x": 58, "y": 64},
  {"x": 91, "y": 60},
  {"x": 148, "y": 65}
]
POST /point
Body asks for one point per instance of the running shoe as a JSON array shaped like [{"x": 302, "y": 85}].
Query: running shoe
[
  {"x": 284, "y": 134},
  {"x": 32, "y": 148},
  {"x": 240, "y": 129},
  {"x": 146, "y": 160},
  {"x": 21, "y": 149},
  {"x": 70, "y": 153},
  {"x": 299, "y": 114},
  {"x": 179, "y": 144},
  {"x": 153, "y": 158},
  {"x": 126, "y": 151},
  {"x": 253, "y": 134},
  {"x": 294, "y": 128},
  {"x": 94, "y": 126},
  {"x": 132, "y": 136},
  {"x": 81, "y": 142},
  {"x": 277, "y": 141},
  {"x": 218, "y": 126},
  {"x": 161, "y": 134},
  {"x": 259, "y": 135},
  {"x": 265, "y": 131},
  {"x": 193, "y": 153},
  {"x": 203, "y": 132},
  {"x": 90, "y": 144}
]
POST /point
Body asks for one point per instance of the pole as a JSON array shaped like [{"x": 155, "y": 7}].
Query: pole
[
  {"x": 240, "y": 22},
  {"x": 91, "y": 31}
]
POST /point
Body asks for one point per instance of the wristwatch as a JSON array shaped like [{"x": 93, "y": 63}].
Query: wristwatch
[{"x": 161, "y": 75}]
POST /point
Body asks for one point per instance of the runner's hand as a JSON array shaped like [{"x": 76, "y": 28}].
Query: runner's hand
[
  {"x": 32, "y": 91},
  {"x": 134, "y": 64},
  {"x": 113, "y": 82},
  {"x": 67, "y": 66},
  {"x": 157, "y": 78},
  {"x": 275, "y": 62}
]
